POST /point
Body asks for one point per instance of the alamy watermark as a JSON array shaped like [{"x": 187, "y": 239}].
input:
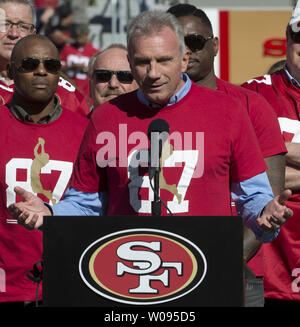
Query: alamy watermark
[
  {"x": 114, "y": 149},
  {"x": 2, "y": 281},
  {"x": 2, "y": 20},
  {"x": 296, "y": 282}
]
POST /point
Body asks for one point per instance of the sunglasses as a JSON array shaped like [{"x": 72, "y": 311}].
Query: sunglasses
[
  {"x": 29, "y": 64},
  {"x": 104, "y": 75},
  {"x": 196, "y": 42}
]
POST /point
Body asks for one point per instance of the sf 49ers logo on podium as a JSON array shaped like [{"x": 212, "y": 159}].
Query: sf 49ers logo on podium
[{"x": 142, "y": 266}]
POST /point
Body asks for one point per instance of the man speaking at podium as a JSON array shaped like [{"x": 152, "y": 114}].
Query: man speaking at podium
[{"x": 211, "y": 153}]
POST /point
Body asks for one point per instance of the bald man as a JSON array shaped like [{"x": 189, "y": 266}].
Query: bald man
[
  {"x": 110, "y": 74},
  {"x": 41, "y": 144}
]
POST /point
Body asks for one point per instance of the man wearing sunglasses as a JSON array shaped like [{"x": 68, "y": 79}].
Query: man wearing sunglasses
[
  {"x": 17, "y": 20},
  {"x": 40, "y": 140},
  {"x": 158, "y": 59},
  {"x": 203, "y": 48},
  {"x": 282, "y": 90},
  {"x": 110, "y": 74}
]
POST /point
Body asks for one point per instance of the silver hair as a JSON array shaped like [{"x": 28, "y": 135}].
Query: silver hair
[
  {"x": 28, "y": 3},
  {"x": 149, "y": 22}
]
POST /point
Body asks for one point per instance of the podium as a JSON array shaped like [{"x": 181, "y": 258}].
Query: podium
[{"x": 143, "y": 261}]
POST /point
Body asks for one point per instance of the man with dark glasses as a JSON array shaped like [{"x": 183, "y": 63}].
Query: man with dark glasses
[
  {"x": 40, "y": 140},
  {"x": 114, "y": 147},
  {"x": 282, "y": 90},
  {"x": 110, "y": 74},
  {"x": 18, "y": 20},
  {"x": 199, "y": 39},
  {"x": 204, "y": 47}
]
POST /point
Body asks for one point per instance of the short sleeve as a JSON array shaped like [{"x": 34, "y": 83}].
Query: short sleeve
[
  {"x": 247, "y": 160},
  {"x": 86, "y": 173}
]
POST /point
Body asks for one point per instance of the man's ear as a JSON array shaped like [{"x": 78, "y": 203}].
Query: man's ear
[
  {"x": 129, "y": 62},
  {"x": 185, "y": 60},
  {"x": 216, "y": 45},
  {"x": 9, "y": 71},
  {"x": 131, "y": 67}
]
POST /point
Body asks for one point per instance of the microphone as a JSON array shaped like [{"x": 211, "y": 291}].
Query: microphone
[{"x": 158, "y": 133}]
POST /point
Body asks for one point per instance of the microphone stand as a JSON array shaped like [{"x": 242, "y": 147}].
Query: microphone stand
[
  {"x": 156, "y": 131},
  {"x": 156, "y": 203}
]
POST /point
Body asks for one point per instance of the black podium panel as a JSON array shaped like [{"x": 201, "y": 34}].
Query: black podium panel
[{"x": 123, "y": 261}]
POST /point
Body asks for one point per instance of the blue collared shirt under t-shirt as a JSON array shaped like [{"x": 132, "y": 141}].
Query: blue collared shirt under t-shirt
[{"x": 250, "y": 196}]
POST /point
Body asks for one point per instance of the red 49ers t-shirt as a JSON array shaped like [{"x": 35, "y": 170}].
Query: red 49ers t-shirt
[
  {"x": 260, "y": 111},
  {"x": 282, "y": 256},
  {"x": 213, "y": 144},
  {"x": 267, "y": 131},
  {"x": 38, "y": 158},
  {"x": 71, "y": 55}
]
